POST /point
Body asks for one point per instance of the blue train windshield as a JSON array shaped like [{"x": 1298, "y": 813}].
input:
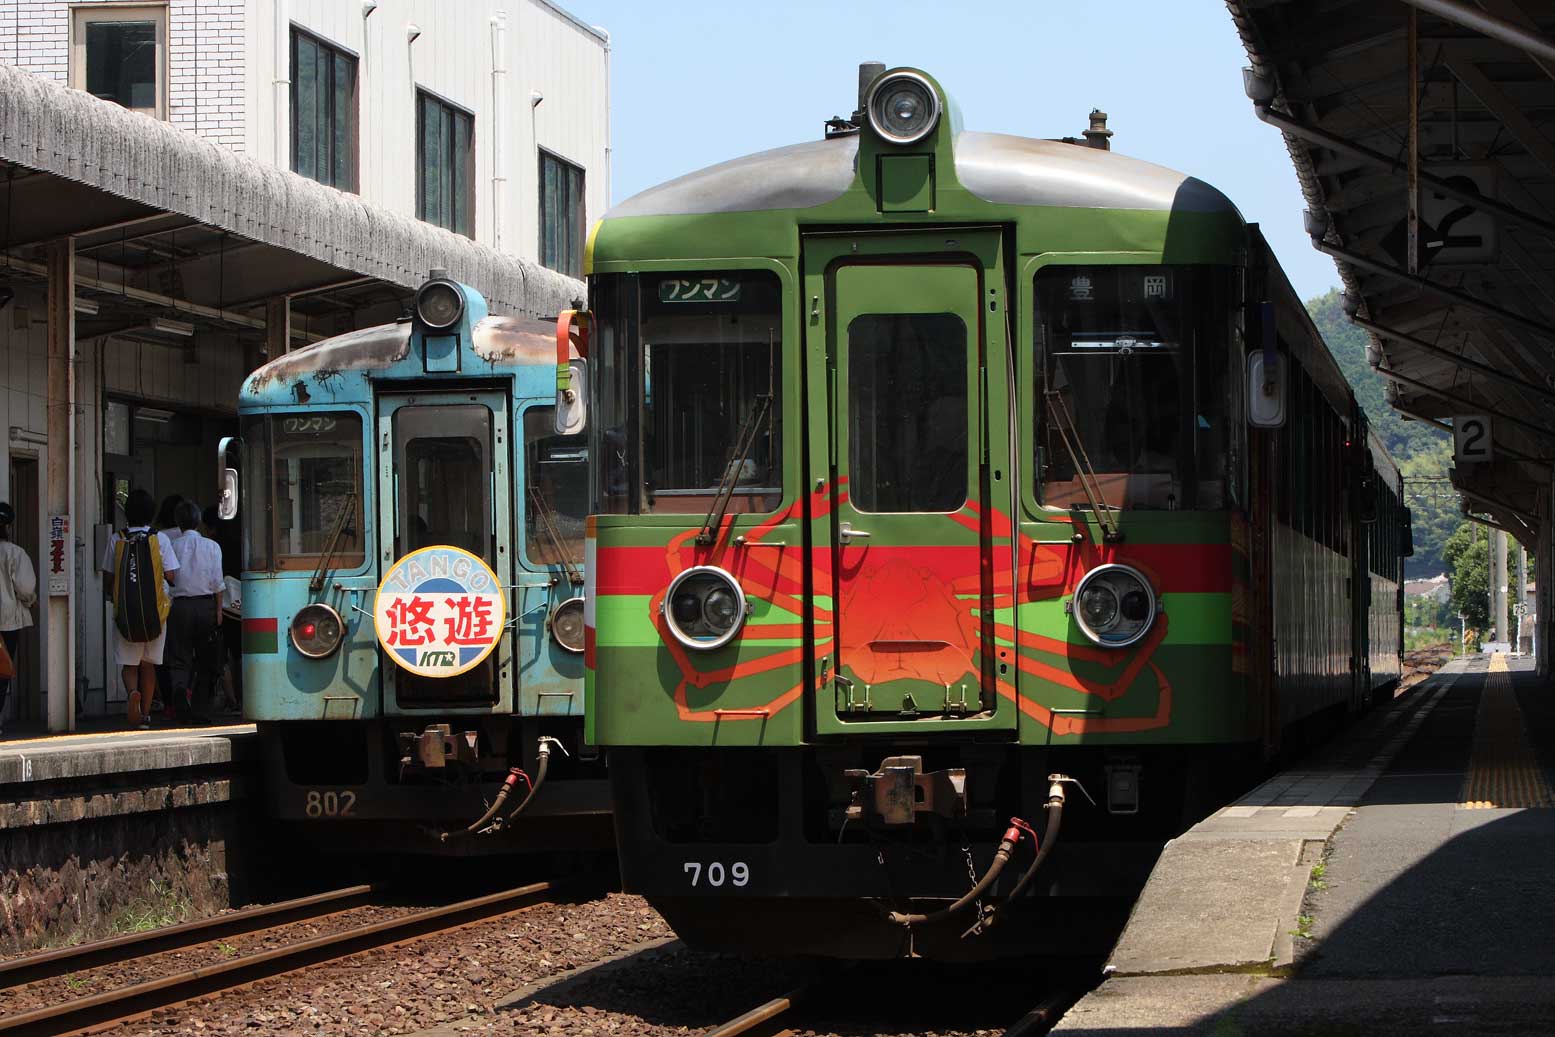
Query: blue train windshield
[{"x": 303, "y": 483}]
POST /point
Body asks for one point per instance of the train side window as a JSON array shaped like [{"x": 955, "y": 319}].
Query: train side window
[
  {"x": 907, "y": 412},
  {"x": 555, "y": 490}
]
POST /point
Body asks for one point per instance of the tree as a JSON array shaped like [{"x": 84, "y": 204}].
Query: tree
[{"x": 1468, "y": 552}]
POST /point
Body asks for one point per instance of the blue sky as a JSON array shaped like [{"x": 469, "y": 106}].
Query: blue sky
[{"x": 694, "y": 84}]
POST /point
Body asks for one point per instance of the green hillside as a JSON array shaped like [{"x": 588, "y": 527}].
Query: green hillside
[{"x": 1423, "y": 453}]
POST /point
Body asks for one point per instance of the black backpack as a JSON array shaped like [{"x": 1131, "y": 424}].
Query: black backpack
[{"x": 140, "y": 601}]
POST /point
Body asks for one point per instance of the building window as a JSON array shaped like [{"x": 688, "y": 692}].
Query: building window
[
  {"x": 120, "y": 54},
  {"x": 323, "y": 112},
  {"x": 445, "y": 164},
  {"x": 561, "y": 215}
]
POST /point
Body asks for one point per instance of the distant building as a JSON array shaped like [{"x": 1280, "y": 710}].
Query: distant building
[{"x": 1437, "y": 588}]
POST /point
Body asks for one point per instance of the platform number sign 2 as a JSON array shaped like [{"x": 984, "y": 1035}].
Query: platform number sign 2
[{"x": 1471, "y": 438}]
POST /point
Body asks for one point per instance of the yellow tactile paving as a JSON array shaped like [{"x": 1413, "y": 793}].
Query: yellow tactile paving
[{"x": 1503, "y": 771}]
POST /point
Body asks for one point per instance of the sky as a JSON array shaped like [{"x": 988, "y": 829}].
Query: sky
[{"x": 694, "y": 84}]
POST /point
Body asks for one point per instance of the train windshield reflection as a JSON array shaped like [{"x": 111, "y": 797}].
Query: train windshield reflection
[{"x": 1138, "y": 357}]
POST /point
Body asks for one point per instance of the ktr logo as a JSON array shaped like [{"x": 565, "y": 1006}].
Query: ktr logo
[{"x": 439, "y": 659}]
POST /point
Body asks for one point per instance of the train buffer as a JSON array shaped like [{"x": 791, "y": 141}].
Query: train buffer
[{"x": 1398, "y": 882}]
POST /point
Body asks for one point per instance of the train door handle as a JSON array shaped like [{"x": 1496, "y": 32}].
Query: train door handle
[{"x": 848, "y": 532}]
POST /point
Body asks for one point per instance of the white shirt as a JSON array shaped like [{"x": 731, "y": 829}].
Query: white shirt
[
  {"x": 18, "y": 587},
  {"x": 169, "y": 558},
  {"x": 199, "y": 565}
]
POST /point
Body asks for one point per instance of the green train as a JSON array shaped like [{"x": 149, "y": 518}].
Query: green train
[{"x": 967, "y": 511}]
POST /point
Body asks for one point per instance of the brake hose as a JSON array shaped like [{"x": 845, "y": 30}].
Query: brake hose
[
  {"x": 1055, "y": 815},
  {"x": 1001, "y": 857},
  {"x": 515, "y": 774}
]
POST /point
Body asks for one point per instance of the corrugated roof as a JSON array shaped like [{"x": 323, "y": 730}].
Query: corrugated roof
[
  {"x": 71, "y": 134},
  {"x": 1472, "y": 330}
]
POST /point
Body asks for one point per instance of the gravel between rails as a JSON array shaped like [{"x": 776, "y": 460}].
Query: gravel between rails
[
  {"x": 433, "y": 981},
  {"x": 167, "y": 963}
]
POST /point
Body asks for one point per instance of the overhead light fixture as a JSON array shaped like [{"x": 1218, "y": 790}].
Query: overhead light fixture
[
  {"x": 153, "y": 414},
  {"x": 169, "y": 326},
  {"x": 87, "y": 307}
]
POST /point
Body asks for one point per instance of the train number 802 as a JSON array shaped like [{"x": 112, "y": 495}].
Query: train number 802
[{"x": 329, "y": 804}]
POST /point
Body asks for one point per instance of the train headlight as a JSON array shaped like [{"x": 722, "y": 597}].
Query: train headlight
[
  {"x": 704, "y": 607},
  {"x": 903, "y": 108},
  {"x": 1114, "y": 605},
  {"x": 317, "y": 631},
  {"x": 567, "y": 624},
  {"x": 439, "y": 304}
]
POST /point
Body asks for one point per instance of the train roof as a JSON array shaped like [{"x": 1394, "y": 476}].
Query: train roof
[
  {"x": 508, "y": 341},
  {"x": 995, "y": 167}
]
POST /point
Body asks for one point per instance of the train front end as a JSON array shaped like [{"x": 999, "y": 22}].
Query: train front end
[
  {"x": 928, "y": 590},
  {"x": 412, "y": 611}
]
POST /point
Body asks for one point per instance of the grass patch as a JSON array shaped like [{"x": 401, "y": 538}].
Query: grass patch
[
  {"x": 1303, "y": 930},
  {"x": 162, "y": 906},
  {"x": 1318, "y": 871}
]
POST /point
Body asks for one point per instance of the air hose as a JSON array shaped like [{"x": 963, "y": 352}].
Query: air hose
[
  {"x": 1001, "y": 857},
  {"x": 1055, "y": 815},
  {"x": 515, "y": 775}
]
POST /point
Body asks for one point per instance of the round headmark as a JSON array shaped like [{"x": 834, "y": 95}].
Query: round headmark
[{"x": 439, "y": 611}]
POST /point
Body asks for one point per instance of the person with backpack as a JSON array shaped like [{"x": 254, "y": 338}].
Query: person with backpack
[
  {"x": 18, "y": 594},
  {"x": 139, "y": 565}
]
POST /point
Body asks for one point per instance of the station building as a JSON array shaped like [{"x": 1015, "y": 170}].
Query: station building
[{"x": 188, "y": 188}]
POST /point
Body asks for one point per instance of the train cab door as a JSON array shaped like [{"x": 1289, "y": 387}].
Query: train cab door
[
  {"x": 444, "y": 463},
  {"x": 912, "y": 541}
]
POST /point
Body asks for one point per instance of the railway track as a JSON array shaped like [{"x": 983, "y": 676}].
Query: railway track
[
  {"x": 788, "y": 1015},
  {"x": 122, "y": 1004}
]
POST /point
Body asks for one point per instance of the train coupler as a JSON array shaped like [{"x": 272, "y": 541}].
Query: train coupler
[
  {"x": 901, "y": 790},
  {"x": 437, "y": 747}
]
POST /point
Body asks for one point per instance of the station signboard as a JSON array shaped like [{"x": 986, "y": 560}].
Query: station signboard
[{"x": 1471, "y": 443}]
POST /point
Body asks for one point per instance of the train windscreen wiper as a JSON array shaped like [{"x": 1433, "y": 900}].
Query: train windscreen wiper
[
  {"x": 545, "y": 518},
  {"x": 731, "y": 477},
  {"x": 1064, "y": 421},
  {"x": 316, "y": 583}
]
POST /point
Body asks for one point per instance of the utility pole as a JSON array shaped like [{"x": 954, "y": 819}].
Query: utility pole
[
  {"x": 1498, "y": 583},
  {"x": 1520, "y": 599}
]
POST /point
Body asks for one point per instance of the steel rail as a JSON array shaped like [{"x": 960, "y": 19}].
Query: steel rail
[
  {"x": 765, "y": 1020},
  {"x": 125, "y": 1003},
  {"x": 45, "y": 964}
]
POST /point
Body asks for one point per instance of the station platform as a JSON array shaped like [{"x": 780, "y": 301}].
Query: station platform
[
  {"x": 52, "y": 778},
  {"x": 1397, "y": 882}
]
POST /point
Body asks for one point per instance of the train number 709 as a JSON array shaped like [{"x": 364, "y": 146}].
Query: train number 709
[{"x": 737, "y": 874}]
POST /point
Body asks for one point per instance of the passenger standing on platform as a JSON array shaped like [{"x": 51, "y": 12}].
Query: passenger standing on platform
[
  {"x": 225, "y": 533},
  {"x": 193, "y": 625},
  {"x": 166, "y": 522},
  {"x": 18, "y": 594},
  {"x": 140, "y": 609}
]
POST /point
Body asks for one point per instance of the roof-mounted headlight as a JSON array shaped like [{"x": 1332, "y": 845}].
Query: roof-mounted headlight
[
  {"x": 439, "y": 303},
  {"x": 1114, "y": 605},
  {"x": 704, "y": 607},
  {"x": 903, "y": 108}
]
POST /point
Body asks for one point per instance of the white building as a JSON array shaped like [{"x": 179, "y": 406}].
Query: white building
[
  {"x": 487, "y": 117},
  {"x": 148, "y": 261}
]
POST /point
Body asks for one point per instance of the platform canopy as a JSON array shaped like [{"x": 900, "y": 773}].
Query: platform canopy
[
  {"x": 1421, "y": 131},
  {"x": 162, "y": 220}
]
